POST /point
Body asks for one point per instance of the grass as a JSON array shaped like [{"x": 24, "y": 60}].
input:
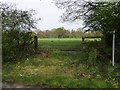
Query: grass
[
  {"x": 62, "y": 43},
  {"x": 62, "y": 70},
  {"x": 64, "y": 39},
  {"x": 54, "y": 72}
]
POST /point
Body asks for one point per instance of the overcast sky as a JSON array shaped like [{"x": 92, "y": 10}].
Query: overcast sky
[{"x": 47, "y": 11}]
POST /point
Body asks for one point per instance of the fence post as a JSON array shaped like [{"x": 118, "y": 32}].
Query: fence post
[
  {"x": 83, "y": 39},
  {"x": 113, "y": 49},
  {"x": 35, "y": 43}
]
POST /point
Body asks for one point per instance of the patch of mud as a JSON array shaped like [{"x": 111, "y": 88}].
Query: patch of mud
[{"x": 13, "y": 85}]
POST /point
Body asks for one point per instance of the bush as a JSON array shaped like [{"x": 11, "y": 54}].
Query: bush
[{"x": 17, "y": 36}]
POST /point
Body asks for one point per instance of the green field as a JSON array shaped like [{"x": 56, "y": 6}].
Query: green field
[{"x": 63, "y": 43}]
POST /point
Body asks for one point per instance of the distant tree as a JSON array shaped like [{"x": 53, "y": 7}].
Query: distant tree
[
  {"x": 47, "y": 33},
  {"x": 66, "y": 33},
  {"x": 73, "y": 35},
  {"x": 60, "y": 33},
  {"x": 41, "y": 34},
  {"x": 98, "y": 33}
]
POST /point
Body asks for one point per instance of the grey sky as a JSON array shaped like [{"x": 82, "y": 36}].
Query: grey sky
[{"x": 47, "y": 11}]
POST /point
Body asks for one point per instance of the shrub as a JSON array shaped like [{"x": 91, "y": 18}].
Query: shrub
[{"x": 17, "y": 36}]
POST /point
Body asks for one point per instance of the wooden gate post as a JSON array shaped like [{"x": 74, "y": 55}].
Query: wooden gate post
[
  {"x": 83, "y": 39},
  {"x": 35, "y": 43}
]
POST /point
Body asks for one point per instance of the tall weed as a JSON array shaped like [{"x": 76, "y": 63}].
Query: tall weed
[{"x": 92, "y": 57}]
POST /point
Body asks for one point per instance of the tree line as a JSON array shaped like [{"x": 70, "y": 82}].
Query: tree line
[{"x": 63, "y": 33}]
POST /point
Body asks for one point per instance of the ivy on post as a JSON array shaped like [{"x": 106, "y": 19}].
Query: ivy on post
[{"x": 35, "y": 43}]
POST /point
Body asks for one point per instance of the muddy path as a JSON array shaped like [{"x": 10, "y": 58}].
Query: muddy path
[{"x": 15, "y": 85}]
